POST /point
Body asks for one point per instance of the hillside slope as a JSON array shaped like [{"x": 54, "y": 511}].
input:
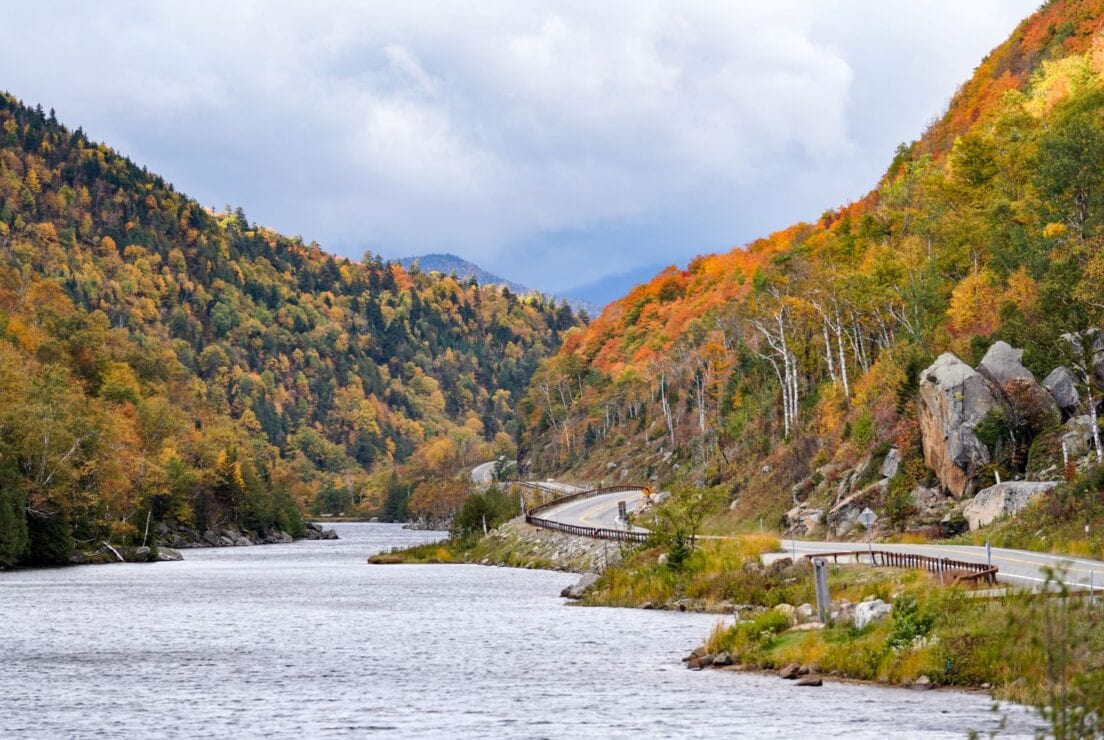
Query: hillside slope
[
  {"x": 787, "y": 370},
  {"x": 162, "y": 362}
]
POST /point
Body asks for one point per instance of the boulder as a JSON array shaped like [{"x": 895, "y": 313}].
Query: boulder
[
  {"x": 805, "y": 613},
  {"x": 141, "y": 554},
  {"x": 1016, "y": 384},
  {"x": 844, "y": 516},
  {"x": 722, "y": 659},
  {"x": 576, "y": 591},
  {"x": 1003, "y": 363},
  {"x": 922, "y": 684},
  {"x": 954, "y": 399},
  {"x": 1003, "y": 499},
  {"x": 1077, "y": 436},
  {"x": 869, "y": 612},
  {"x": 810, "y": 680},
  {"x": 891, "y": 463},
  {"x": 789, "y": 611},
  {"x": 1062, "y": 386},
  {"x": 928, "y": 502},
  {"x": 167, "y": 555},
  {"x": 790, "y": 672},
  {"x": 803, "y": 520},
  {"x": 211, "y": 538}
]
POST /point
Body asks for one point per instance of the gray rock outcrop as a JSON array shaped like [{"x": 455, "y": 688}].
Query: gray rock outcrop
[
  {"x": 1003, "y": 499},
  {"x": 1015, "y": 384},
  {"x": 1062, "y": 386},
  {"x": 1077, "y": 436},
  {"x": 1003, "y": 363},
  {"x": 891, "y": 463},
  {"x": 954, "y": 399}
]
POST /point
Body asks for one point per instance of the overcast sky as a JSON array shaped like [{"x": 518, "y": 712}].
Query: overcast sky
[{"x": 552, "y": 142}]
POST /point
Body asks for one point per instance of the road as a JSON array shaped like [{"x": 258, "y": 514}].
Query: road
[
  {"x": 1016, "y": 567},
  {"x": 484, "y": 473},
  {"x": 599, "y": 511}
]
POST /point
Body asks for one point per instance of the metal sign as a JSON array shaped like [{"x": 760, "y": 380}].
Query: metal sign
[
  {"x": 867, "y": 518},
  {"x": 824, "y": 602}
]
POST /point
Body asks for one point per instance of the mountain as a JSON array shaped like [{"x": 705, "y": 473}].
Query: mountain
[
  {"x": 163, "y": 364},
  {"x": 786, "y": 371},
  {"x": 608, "y": 289},
  {"x": 450, "y": 264}
]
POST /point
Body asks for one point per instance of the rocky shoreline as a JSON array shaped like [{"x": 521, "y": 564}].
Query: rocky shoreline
[
  {"x": 183, "y": 538},
  {"x": 172, "y": 539}
]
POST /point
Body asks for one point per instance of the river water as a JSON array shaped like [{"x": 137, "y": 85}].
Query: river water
[{"x": 306, "y": 640}]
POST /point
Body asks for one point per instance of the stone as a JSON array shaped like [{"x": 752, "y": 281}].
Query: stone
[
  {"x": 922, "y": 684},
  {"x": 77, "y": 558},
  {"x": 788, "y": 611},
  {"x": 1077, "y": 436},
  {"x": 891, "y": 463},
  {"x": 722, "y": 659},
  {"x": 1003, "y": 499},
  {"x": 803, "y": 520},
  {"x": 804, "y": 613},
  {"x": 1062, "y": 386},
  {"x": 576, "y": 591},
  {"x": 928, "y": 501},
  {"x": 790, "y": 672},
  {"x": 706, "y": 660},
  {"x": 808, "y": 627},
  {"x": 844, "y": 516},
  {"x": 168, "y": 555},
  {"x": 211, "y": 538},
  {"x": 954, "y": 399},
  {"x": 141, "y": 554},
  {"x": 869, "y": 612},
  {"x": 1003, "y": 363},
  {"x": 810, "y": 680}
]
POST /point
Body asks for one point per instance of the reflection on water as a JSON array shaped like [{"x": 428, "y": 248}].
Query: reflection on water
[{"x": 306, "y": 639}]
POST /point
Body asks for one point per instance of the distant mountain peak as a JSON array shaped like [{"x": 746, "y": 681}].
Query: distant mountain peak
[{"x": 451, "y": 264}]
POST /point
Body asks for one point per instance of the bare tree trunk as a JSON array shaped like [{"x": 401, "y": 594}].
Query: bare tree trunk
[
  {"x": 666, "y": 408},
  {"x": 828, "y": 351}
]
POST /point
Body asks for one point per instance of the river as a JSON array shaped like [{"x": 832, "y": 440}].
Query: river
[{"x": 307, "y": 640}]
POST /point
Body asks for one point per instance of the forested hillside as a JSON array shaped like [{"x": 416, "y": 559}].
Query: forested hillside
[
  {"x": 160, "y": 361},
  {"x": 790, "y": 367}
]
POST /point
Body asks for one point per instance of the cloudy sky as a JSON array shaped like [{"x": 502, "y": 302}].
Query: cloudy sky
[{"x": 555, "y": 143}]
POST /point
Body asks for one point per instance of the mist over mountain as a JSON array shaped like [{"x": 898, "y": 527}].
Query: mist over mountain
[{"x": 451, "y": 264}]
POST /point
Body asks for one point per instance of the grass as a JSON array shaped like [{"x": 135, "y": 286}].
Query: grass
[
  {"x": 702, "y": 577},
  {"x": 430, "y": 553},
  {"x": 946, "y": 634}
]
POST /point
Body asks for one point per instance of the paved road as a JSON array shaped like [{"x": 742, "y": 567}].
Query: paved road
[
  {"x": 599, "y": 511},
  {"x": 484, "y": 472},
  {"x": 1017, "y": 567}
]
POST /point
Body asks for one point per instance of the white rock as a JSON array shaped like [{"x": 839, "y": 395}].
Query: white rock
[
  {"x": 869, "y": 612},
  {"x": 891, "y": 463}
]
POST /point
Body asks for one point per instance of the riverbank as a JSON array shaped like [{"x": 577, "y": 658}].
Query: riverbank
[
  {"x": 169, "y": 540},
  {"x": 514, "y": 544}
]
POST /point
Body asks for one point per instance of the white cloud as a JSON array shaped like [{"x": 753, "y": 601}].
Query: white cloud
[{"x": 511, "y": 133}]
